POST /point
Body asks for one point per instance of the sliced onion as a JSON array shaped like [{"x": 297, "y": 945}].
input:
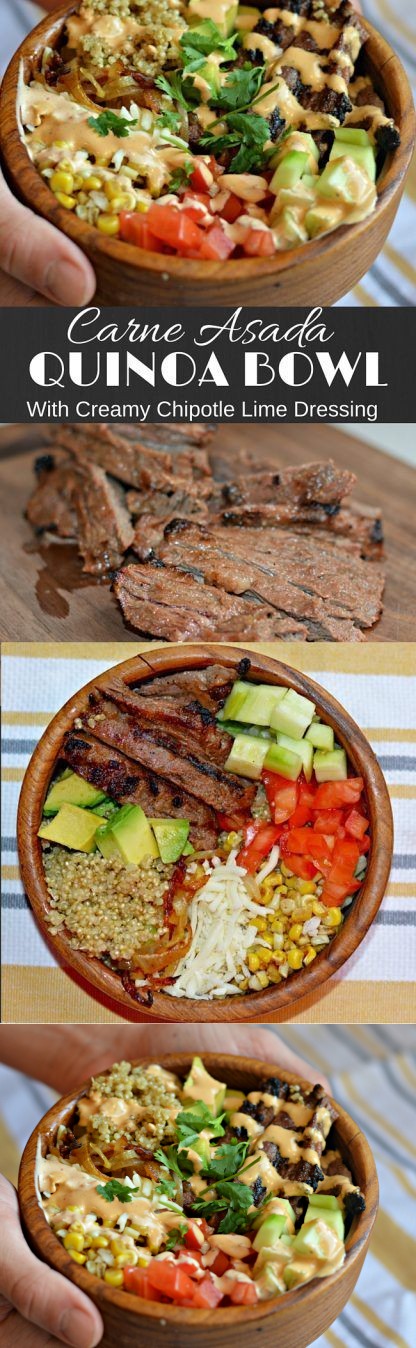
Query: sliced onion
[{"x": 269, "y": 865}]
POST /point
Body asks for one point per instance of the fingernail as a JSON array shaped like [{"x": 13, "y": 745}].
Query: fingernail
[
  {"x": 67, "y": 283},
  {"x": 77, "y": 1328}
]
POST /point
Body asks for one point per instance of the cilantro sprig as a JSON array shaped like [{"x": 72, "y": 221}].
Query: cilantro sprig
[
  {"x": 247, "y": 134},
  {"x": 196, "y": 44},
  {"x": 115, "y": 1189},
  {"x": 108, "y": 121},
  {"x": 176, "y": 1236},
  {"x": 233, "y": 1199},
  {"x": 239, "y": 89},
  {"x": 189, "y": 1124},
  {"x": 226, "y": 1161}
]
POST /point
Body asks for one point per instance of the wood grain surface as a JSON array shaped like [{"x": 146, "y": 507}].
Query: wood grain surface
[
  {"x": 367, "y": 902},
  {"x": 295, "y": 1319},
  {"x": 44, "y": 595},
  {"x": 319, "y": 272}
]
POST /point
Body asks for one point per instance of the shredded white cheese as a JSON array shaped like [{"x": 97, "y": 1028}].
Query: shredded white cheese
[{"x": 221, "y": 935}]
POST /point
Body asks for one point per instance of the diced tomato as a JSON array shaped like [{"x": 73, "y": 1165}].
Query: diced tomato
[
  {"x": 134, "y": 228},
  {"x": 301, "y": 816},
  {"x": 301, "y": 840},
  {"x": 170, "y": 1279},
  {"x": 243, "y": 1294},
  {"x": 195, "y": 1236},
  {"x": 328, "y": 821},
  {"x": 259, "y": 243},
  {"x": 281, "y": 794},
  {"x": 365, "y": 844},
  {"x": 258, "y": 842},
  {"x": 300, "y": 866},
  {"x": 220, "y": 1264},
  {"x": 356, "y": 824},
  {"x": 191, "y": 1263},
  {"x": 340, "y": 881},
  {"x": 196, "y": 205},
  {"x": 232, "y": 208},
  {"x": 206, "y": 1294},
  {"x": 216, "y": 245},
  {"x": 332, "y": 795},
  {"x": 136, "y": 1280},
  {"x": 202, "y": 175},
  {"x": 174, "y": 227},
  {"x": 307, "y": 791}
]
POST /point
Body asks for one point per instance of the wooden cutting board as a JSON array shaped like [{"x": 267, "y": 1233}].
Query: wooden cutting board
[{"x": 44, "y": 595}]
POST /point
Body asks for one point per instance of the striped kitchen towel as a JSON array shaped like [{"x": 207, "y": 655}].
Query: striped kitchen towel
[
  {"x": 372, "y": 1070},
  {"x": 375, "y": 682},
  {"x": 392, "y": 279}
]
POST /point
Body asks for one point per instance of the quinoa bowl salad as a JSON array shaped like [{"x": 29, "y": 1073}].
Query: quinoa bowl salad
[
  {"x": 203, "y": 836},
  {"x": 210, "y": 130},
  {"x": 190, "y": 1185}
]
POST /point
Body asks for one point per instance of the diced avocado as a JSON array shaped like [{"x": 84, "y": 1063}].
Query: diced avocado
[
  {"x": 199, "y": 1085},
  {"x": 321, "y": 736},
  {"x": 299, "y": 747},
  {"x": 221, "y": 13},
  {"x": 171, "y": 836},
  {"x": 293, "y": 715},
  {"x": 364, "y": 155},
  {"x": 289, "y": 171},
  {"x": 331, "y": 1218},
  {"x": 298, "y": 1271},
  {"x": 317, "y": 1238},
  {"x": 247, "y": 18},
  {"x": 72, "y": 827},
  {"x": 235, "y": 700},
  {"x": 284, "y": 762},
  {"x": 323, "y": 217},
  {"x": 203, "y": 1150},
  {"x": 106, "y": 809},
  {"x": 330, "y": 767},
  {"x": 259, "y": 704},
  {"x": 353, "y": 135},
  {"x": 233, "y": 1101},
  {"x": 211, "y": 74},
  {"x": 270, "y": 1231},
  {"x": 247, "y": 756},
  {"x": 70, "y": 789},
  {"x": 127, "y": 835},
  {"x": 187, "y": 850},
  {"x": 324, "y": 1201}
]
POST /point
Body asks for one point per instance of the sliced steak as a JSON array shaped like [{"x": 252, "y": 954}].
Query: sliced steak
[
  {"x": 128, "y": 782},
  {"x": 159, "y": 752},
  {"x": 50, "y": 505},
  {"x": 132, "y": 462},
  {"x": 192, "y": 722},
  {"x": 104, "y": 527},
  {"x": 162, "y": 602},
  {"x": 311, "y": 485},
  {"x": 209, "y": 687}
]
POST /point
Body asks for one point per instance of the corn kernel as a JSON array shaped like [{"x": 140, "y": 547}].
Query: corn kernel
[
  {"x": 278, "y": 956},
  {"x": 72, "y": 1208},
  {"x": 64, "y": 200},
  {"x": 333, "y": 917},
  {"x": 253, "y": 962},
  {"x": 319, "y": 909},
  {"x": 143, "y": 1259},
  {"x": 260, "y": 923},
  {"x": 78, "y": 1226},
  {"x": 277, "y": 924},
  {"x": 120, "y": 203},
  {"x": 108, "y": 224},
  {"x": 310, "y": 954},
  {"x": 262, "y": 979},
  {"x": 274, "y": 974},
  {"x": 78, "y": 182},
  {"x": 265, "y": 957},
  {"x": 62, "y": 144},
  {"x": 294, "y": 959},
  {"x": 123, "y": 1260},
  {"x": 93, "y": 183},
  {"x": 100, "y": 1242},
  {"x": 108, "y": 1221},
  {"x": 142, "y": 206},
  {"x": 117, "y": 1247},
  {"x": 77, "y": 1257},
  {"x": 295, "y": 932},
  {"x": 114, "y": 1277},
  {"x": 74, "y": 1241}
]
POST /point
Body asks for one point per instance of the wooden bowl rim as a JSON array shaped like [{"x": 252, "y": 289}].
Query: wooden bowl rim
[
  {"x": 366, "y": 905},
  {"x": 140, "y": 260},
  {"x": 349, "y": 1134}
]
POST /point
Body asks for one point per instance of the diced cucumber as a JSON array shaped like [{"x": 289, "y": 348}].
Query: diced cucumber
[
  {"x": 247, "y": 756},
  {"x": 289, "y": 171},
  {"x": 344, "y": 180},
  {"x": 330, "y": 767},
  {"x": 321, "y": 736},
  {"x": 353, "y": 135},
  {"x": 293, "y": 715},
  {"x": 363, "y": 155},
  {"x": 238, "y": 728},
  {"x": 235, "y": 701},
  {"x": 322, "y": 218},
  {"x": 301, "y": 141},
  {"x": 331, "y": 1216},
  {"x": 312, "y": 1239},
  {"x": 279, "y": 1205},
  {"x": 301, "y": 748},
  {"x": 281, "y": 760},
  {"x": 270, "y": 1231},
  {"x": 324, "y": 1201},
  {"x": 259, "y": 704}
]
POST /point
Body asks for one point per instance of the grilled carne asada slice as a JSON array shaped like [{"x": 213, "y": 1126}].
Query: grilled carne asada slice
[
  {"x": 104, "y": 526},
  {"x": 313, "y": 484},
  {"x": 128, "y": 782},
  {"x": 160, "y": 753},
  {"x": 50, "y": 505},
  {"x": 164, "y": 602},
  {"x": 193, "y": 723},
  {"x": 210, "y": 687},
  {"x": 132, "y": 462}
]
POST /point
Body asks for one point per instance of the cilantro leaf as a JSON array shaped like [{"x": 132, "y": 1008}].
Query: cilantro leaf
[
  {"x": 172, "y": 86},
  {"x": 176, "y": 1236},
  {"x": 247, "y": 131},
  {"x": 234, "y": 1199},
  {"x": 239, "y": 89},
  {"x": 166, "y": 1188},
  {"x": 204, "y": 39},
  {"x": 189, "y": 1125},
  {"x": 226, "y": 1162},
  {"x": 169, "y": 119},
  {"x": 115, "y": 1189},
  {"x": 110, "y": 121},
  {"x": 180, "y": 176},
  {"x": 171, "y": 1161}
]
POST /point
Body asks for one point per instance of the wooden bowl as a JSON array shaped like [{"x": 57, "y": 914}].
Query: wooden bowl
[
  {"x": 295, "y": 1319},
  {"x": 319, "y": 272},
  {"x": 271, "y": 999}
]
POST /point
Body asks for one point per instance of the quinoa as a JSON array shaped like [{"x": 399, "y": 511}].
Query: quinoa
[
  {"x": 106, "y": 906},
  {"x": 154, "y": 45},
  {"x": 158, "y": 1094}
]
